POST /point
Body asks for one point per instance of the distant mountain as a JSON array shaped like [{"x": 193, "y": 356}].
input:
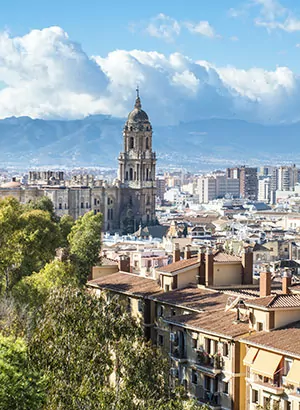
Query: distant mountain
[{"x": 97, "y": 140}]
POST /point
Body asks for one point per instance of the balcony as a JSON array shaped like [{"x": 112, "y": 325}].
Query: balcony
[
  {"x": 178, "y": 355},
  {"x": 211, "y": 364},
  {"x": 204, "y": 396},
  {"x": 272, "y": 386}
]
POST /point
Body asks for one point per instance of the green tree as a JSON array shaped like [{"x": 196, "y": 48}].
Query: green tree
[
  {"x": 64, "y": 226},
  {"x": 20, "y": 387},
  {"x": 85, "y": 243},
  {"x": 28, "y": 240},
  {"x": 43, "y": 204},
  {"x": 34, "y": 290},
  {"x": 93, "y": 356}
]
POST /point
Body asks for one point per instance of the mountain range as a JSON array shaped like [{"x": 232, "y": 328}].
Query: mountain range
[{"x": 96, "y": 141}]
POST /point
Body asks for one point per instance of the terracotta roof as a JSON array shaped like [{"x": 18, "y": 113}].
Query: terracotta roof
[
  {"x": 220, "y": 323},
  {"x": 108, "y": 261},
  {"x": 11, "y": 184},
  {"x": 194, "y": 298},
  {"x": 128, "y": 283},
  {"x": 285, "y": 340},
  {"x": 177, "y": 266},
  {"x": 277, "y": 301},
  {"x": 221, "y": 257}
]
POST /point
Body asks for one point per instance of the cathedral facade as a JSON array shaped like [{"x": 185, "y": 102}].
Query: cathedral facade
[{"x": 126, "y": 204}]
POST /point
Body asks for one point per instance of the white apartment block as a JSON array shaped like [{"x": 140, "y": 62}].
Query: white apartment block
[{"x": 217, "y": 186}]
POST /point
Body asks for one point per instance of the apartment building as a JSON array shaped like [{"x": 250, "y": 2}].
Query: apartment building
[
  {"x": 217, "y": 186},
  {"x": 248, "y": 181},
  {"x": 218, "y": 329}
]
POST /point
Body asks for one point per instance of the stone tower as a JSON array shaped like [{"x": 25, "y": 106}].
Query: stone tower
[{"x": 137, "y": 165}]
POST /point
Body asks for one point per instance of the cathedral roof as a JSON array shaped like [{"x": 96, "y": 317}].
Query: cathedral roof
[{"x": 137, "y": 114}]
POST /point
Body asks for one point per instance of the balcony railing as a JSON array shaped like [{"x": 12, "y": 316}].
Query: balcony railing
[
  {"x": 215, "y": 361},
  {"x": 207, "y": 397}
]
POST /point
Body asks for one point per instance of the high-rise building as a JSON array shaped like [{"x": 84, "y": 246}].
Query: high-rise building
[{"x": 248, "y": 181}]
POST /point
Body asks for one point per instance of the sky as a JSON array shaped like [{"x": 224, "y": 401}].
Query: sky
[{"x": 192, "y": 59}]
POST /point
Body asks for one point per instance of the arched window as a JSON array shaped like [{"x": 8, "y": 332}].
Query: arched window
[
  {"x": 59, "y": 206},
  {"x": 130, "y": 174},
  {"x": 131, "y": 142},
  {"x": 147, "y": 143},
  {"x": 86, "y": 204},
  {"x": 126, "y": 176}
]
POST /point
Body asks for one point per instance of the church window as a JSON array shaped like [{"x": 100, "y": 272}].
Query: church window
[
  {"x": 130, "y": 174},
  {"x": 81, "y": 205},
  {"x": 95, "y": 211},
  {"x": 59, "y": 206},
  {"x": 126, "y": 176},
  {"x": 86, "y": 204},
  {"x": 147, "y": 174},
  {"x": 131, "y": 143},
  {"x": 147, "y": 143},
  {"x": 95, "y": 201},
  {"x": 98, "y": 202},
  {"x": 131, "y": 128},
  {"x": 66, "y": 207}
]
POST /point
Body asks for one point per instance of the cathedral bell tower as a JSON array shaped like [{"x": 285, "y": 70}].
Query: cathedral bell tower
[
  {"x": 137, "y": 170},
  {"x": 137, "y": 162}
]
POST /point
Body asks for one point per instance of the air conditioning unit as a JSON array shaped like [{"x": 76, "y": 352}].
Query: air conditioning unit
[
  {"x": 173, "y": 337},
  {"x": 174, "y": 372}
]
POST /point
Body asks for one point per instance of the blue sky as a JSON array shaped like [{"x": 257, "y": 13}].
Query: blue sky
[
  {"x": 192, "y": 58},
  {"x": 103, "y": 26}
]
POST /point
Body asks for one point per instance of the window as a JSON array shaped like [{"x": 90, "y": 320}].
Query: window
[
  {"x": 160, "y": 310},
  {"x": 167, "y": 288},
  {"x": 194, "y": 377},
  {"x": 129, "y": 305},
  {"x": 147, "y": 143},
  {"x": 225, "y": 349},
  {"x": 59, "y": 206},
  {"x": 173, "y": 311},
  {"x": 160, "y": 340},
  {"x": 130, "y": 174},
  {"x": 140, "y": 306},
  {"x": 81, "y": 205},
  {"x": 131, "y": 143},
  {"x": 66, "y": 206},
  {"x": 95, "y": 201},
  {"x": 225, "y": 387},
  {"x": 254, "y": 397},
  {"x": 287, "y": 366},
  {"x": 260, "y": 326},
  {"x": 194, "y": 343},
  {"x": 86, "y": 204}
]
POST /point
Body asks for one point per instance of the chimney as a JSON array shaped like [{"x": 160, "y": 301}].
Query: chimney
[
  {"x": 247, "y": 264},
  {"x": 209, "y": 268},
  {"x": 187, "y": 252},
  {"x": 286, "y": 281},
  {"x": 201, "y": 272},
  {"x": 176, "y": 253},
  {"x": 124, "y": 263},
  {"x": 265, "y": 283}
]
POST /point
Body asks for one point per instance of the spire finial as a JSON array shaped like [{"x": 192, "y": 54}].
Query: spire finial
[{"x": 138, "y": 104}]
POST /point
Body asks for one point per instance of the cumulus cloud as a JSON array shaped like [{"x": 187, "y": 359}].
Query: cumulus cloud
[
  {"x": 274, "y": 16},
  {"x": 203, "y": 28},
  {"x": 45, "y": 74},
  {"x": 163, "y": 26}
]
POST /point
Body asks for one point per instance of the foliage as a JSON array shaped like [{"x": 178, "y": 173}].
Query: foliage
[
  {"x": 43, "y": 204},
  {"x": 64, "y": 226},
  {"x": 27, "y": 241},
  {"x": 85, "y": 243},
  {"x": 33, "y": 290},
  {"x": 20, "y": 387}
]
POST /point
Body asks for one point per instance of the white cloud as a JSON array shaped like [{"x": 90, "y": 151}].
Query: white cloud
[
  {"x": 234, "y": 38},
  {"x": 163, "y": 26},
  {"x": 44, "y": 74},
  {"x": 203, "y": 28},
  {"x": 274, "y": 16}
]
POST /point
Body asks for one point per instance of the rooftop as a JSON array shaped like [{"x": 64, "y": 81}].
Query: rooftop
[
  {"x": 127, "y": 283},
  {"x": 194, "y": 298},
  {"x": 276, "y": 301},
  {"x": 219, "y": 322},
  {"x": 285, "y": 340}
]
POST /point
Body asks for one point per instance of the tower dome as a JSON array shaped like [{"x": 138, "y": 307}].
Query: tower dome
[{"x": 137, "y": 115}]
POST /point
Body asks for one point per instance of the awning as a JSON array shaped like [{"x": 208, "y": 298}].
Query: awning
[
  {"x": 250, "y": 356},
  {"x": 293, "y": 375},
  {"x": 266, "y": 363}
]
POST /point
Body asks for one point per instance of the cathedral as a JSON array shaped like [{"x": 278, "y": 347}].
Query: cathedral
[{"x": 126, "y": 204}]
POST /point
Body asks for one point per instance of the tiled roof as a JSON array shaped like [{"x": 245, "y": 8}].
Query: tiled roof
[
  {"x": 108, "y": 261},
  {"x": 277, "y": 301},
  {"x": 194, "y": 298},
  {"x": 218, "y": 322},
  {"x": 176, "y": 266},
  {"x": 221, "y": 257},
  {"x": 127, "y": 283},
  {"x": 286, "y": 339}
]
